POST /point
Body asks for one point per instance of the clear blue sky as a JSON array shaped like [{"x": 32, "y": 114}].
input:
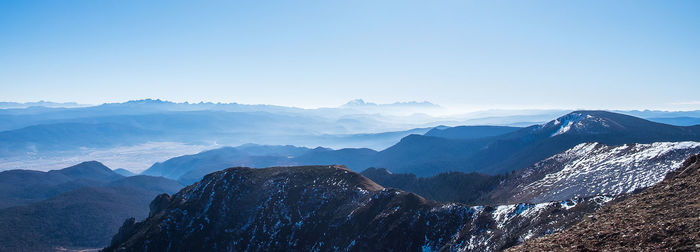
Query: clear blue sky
[{"x": 467, "y": 54}]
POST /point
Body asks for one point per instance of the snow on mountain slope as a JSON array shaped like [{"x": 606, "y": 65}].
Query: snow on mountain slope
[
  {"x": 578, "y": 122},
  {"x": 663, "y": 217},
  {"x": 330, "y": 208},
  {"x": 591, "y": 169}
]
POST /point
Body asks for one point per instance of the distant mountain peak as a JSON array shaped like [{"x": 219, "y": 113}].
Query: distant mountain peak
[
  {"x": 88, "y": 165},
  {"x": 124, "y": 172},
  {"x": 363, "y": 103},
  {"x": 149, "y": 101},
  {"x": 358, "y": 102},
  {"x": 576, "y": 120},
  {"x": 581, "y": 122},
  {"x": 92, "y": 170}
]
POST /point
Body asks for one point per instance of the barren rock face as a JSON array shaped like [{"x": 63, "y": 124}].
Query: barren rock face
[{"x": 663, "y": 217}]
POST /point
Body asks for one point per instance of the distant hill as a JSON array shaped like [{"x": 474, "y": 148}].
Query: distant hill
[
  {"x": 77, "y": 207},
  {"x": 68, "y": 136},
  {"x": 469, "y": 132},
  {"x": 20, "y": 187},
  {"x": 124, "y": 172},
  {"x": 467, "y": 188},
  {"x": 47, "y": 104},
  {"x": 90, "y": 170},
  {"x": 190, "y": 168},
  {"x": 425, "y": 155},
  {"x": 680, "y": 121}
]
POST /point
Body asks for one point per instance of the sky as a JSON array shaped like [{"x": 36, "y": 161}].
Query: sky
[{"x": 459, "y": 54}]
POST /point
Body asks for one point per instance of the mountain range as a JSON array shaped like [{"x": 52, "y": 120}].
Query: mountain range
[
  {"x": 42, "y": 136},
  {"x": 500, "y": 150},
  {"x": 467, "y": 188},
  {"x": 81, "y": 206}
]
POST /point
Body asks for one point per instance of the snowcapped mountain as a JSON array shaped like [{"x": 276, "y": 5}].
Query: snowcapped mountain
[
  {"x": 591, "y": 169},
  {"x": 500, "y": 153},
  {"x": 615, "y": 126},
  {"x": 323, "y": 208},
  {"x": 579, "y": 122},
  {"x": 529, "y": 145}
]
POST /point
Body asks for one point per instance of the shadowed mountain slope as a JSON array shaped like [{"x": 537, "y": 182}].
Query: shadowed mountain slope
[
  {"x": 19, "y": 187},
  {"x": 469, "y": 132},
  {"x": 77, "y": 207}
]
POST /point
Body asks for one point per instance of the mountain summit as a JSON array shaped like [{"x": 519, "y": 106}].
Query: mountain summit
[{"x": 614, "y": 124}]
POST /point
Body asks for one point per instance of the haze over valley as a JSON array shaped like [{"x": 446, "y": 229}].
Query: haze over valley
[{"x": 349, "y": 126}]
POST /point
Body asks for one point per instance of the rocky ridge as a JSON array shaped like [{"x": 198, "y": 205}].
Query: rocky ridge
[{"x": 321, "y": 208}]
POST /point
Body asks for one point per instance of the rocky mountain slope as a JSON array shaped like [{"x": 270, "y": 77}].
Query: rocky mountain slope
[
  {"x": 320, "y": 208},
  {"x": 663, "y": 217},
  {"x": 591, "y": 169}
]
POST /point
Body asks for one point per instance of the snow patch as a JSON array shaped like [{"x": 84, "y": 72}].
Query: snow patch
[{"x": 563, "y": 129}]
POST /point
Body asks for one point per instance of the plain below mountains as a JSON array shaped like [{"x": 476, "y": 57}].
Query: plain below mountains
[
  {"x": 77, "y": 207},
  {"x": 499, "y": 150}
]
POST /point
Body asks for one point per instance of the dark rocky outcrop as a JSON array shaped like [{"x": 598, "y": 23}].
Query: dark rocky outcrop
[{"x": 159, "y": 204}]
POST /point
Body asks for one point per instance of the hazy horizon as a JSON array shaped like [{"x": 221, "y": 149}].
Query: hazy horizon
[
  {"x": 461, "y": 55},
  {"x": 446, "y": 110}
]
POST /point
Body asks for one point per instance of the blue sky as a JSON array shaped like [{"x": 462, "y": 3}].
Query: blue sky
[{"x": 461, "y": 54}]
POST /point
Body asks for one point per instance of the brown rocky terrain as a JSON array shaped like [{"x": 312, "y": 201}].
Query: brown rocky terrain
[{"x": 664, "y": 217}]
